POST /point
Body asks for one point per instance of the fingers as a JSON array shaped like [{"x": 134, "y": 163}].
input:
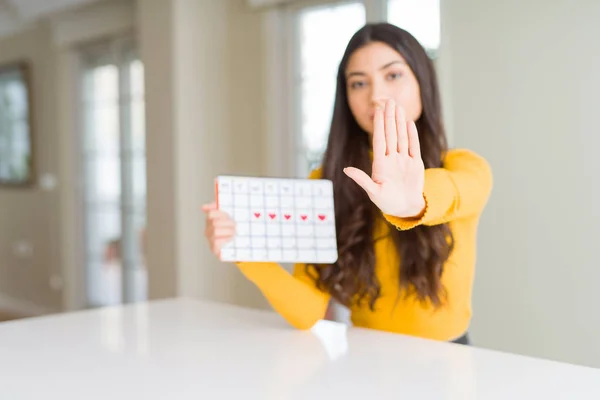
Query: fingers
[
  {"x": 220, "y": 218},
  {"x": 220, "y": 228},
  {"x": 413, "y": 140},
  {"x": 362, "y": 179},
  {"x": 391, "y": 132},
  {"x": 223, "y": 232},
  {"x": 219, "y": 224},
  {"x": 379, "y": 146},
  {"x": 219, "y": 215},
  {"x": 212, "y": 212},
  {"x": 402, "y": 131},
  {"x": 209, "y": 206}
]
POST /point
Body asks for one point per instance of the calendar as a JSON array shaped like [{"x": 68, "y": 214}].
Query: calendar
[{"x": 279, "y": 220}]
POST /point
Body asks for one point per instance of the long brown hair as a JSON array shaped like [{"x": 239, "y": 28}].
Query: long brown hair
[{"x": 423, "y": 250}]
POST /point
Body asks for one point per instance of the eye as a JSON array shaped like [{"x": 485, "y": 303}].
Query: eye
[
  {"x": 394, "y": 75},
  {"x": 357, "y": 84}
]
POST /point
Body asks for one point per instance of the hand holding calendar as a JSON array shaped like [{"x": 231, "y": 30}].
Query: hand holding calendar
[
  {"x": 272, "y": 220},
  {"x": 220, "y": 227}
]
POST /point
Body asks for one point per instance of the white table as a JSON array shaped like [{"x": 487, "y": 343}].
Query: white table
[{"x": 186, "y": 349}]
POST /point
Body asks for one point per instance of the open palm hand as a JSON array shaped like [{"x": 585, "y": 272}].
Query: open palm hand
[{"x": 398, "y": 174}]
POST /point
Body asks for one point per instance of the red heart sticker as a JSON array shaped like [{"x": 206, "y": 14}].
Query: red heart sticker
[
  {"x": 287, "y": 216},
  {"x": 303, "y": 217},
  {"x": 257, "y": 215},
  {"x": 321, "y": 217},
  {"x": 272, "y": 216}
]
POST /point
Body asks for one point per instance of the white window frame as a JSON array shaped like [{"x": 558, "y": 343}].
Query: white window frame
[{"x": 282, "y": 54}]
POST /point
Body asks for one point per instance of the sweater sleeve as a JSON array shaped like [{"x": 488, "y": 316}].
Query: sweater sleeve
[
  {"x": 294, "y": 296},
  {"x": 458, "y": 190}
]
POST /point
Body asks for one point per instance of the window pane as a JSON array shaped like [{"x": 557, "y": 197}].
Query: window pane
[
  {"x": 21, "y": 149},
  {"x": 102, "y": 84},
  {"x": 15, "y": 149},
  {"x": 15, "y": 146},
  {"x": 134, "y": 166},
  {"x": 103, "y": 255},
  {"x": 102, "y": 128},
  {"x": 103, "y": 179},
  {"x": 138, "y": 125},
  {"x": 419, "y": 17},
  {"x": 102, "y": 182},
  {"x": 15, "y": 97},
  {"x": 321, "y": 49},
  {"x": 5, "y": 152},
  {"x": 102, "y": 228},
  {"x": 136, "y": 71},
  {"x": 4, "y": 143},
  {"x": 21, "y": 144},
  {"x": 139, "y": 178},
  {"x": 102, "y": 109}
]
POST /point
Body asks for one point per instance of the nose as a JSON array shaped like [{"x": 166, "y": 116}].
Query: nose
[
  {"x": 378, "y": 102},
  {"x": 378, "y": 94}
]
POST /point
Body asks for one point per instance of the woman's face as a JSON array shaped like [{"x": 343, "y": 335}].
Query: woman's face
[{"x": 377, "y": 72}]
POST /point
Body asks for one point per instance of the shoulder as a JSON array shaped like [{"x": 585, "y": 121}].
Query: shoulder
[
  {"x": 466, "y": 159},
  {"x": 463, "y": 154}
]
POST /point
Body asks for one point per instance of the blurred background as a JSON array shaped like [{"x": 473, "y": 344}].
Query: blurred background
[{"x": 116, "y": 115}]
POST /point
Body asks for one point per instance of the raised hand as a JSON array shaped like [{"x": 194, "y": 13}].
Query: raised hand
[
  {"x": 220, "y": 227},
  {"x": 398, "y": 175}
]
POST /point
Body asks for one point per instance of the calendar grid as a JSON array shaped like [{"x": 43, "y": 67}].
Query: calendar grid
[
  {"x": 252, "y": 222},
  {"x": 279, "y": 220},
  {"x": 295, "y": 217},
  {"x": 263, "y": 218},
  {"x": 250, "y": 238}
]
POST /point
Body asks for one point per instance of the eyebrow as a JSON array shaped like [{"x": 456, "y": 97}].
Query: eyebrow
[{"x": 357, "y": 73}]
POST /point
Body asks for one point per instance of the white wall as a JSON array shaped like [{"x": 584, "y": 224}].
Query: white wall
[{"x": 526, "y": 95}]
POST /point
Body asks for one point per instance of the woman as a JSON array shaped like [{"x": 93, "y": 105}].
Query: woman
[{"x": 407, "y": 208}]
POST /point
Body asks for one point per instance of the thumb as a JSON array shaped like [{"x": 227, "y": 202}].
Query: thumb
[
  {"x": 209, "y": 207},
  {"x": 362, "y": 179}
]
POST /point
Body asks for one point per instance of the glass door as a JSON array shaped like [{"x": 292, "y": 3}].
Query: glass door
[{"x": 114, "y": 173}]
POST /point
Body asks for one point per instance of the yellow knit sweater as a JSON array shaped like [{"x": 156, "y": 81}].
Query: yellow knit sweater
[{"x": 456, "y": 194}]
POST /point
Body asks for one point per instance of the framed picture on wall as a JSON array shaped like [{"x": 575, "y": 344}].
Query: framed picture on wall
[{"x": 16, "y": 144}]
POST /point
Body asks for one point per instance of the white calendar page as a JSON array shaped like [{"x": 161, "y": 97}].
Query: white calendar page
[{"x": 279, "y": 220}]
